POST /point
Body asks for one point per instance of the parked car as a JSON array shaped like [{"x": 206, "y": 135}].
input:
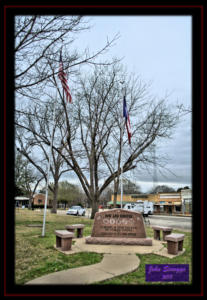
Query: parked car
[{"x": 76, "y": 211}]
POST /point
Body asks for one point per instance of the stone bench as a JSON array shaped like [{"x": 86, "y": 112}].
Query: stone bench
[
  {"x": 175, "y": 242},
  {"x": 64, "y": 239},
  {"x": 165, "y": 231},
  {"x": 78, "y": 227}
]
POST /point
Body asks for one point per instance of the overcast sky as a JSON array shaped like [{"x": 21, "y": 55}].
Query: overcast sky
[{"x": 158, "y": 48}]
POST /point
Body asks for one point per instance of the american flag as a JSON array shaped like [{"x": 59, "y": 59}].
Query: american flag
[
  {"x": 63, "y": 78},
  {"x": 127, "y": 121}
]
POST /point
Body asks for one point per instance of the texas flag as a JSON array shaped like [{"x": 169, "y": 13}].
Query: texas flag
[{"x": 127, "y": 121}]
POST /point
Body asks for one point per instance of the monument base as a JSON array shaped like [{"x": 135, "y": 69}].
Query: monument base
[{"x": 118, "y": 241}]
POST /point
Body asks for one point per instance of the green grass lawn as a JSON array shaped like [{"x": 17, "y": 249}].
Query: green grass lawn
[{"x": 35, "y": 255}]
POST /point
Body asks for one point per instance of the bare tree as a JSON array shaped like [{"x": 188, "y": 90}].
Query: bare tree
[
  {"x": 93, "y": 124},
  {"x": 96, "y": 109},
  {"x": 38, "y": 40},
  {"x": 34, "y": 148},
  {"x": 139, "y": 106},
  {"x": 183, "y": 110}
]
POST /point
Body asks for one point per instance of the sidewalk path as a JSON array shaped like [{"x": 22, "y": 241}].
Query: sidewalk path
[
  {"x": 117, "y": 260},
  {"x": 111, "y": 265}
]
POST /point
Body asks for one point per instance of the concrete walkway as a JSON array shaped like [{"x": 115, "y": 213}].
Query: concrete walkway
[{"x": 111, "y": 265}]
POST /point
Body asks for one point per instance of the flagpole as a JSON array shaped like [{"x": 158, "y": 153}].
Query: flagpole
[
  {"x": 121, "y": 180},
  {"x": 48, "y": 171},
  {"x": 122, "y": 131}
]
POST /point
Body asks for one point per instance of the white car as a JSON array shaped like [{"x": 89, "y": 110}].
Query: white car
[{"x": 76, "y": 211}]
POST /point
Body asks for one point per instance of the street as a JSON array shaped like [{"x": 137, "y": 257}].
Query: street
[{"x": 173, "y": 221}]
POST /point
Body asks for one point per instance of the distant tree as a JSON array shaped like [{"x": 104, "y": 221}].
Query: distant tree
[
  {"x": 106, "y": 195},
  {"x": 18, "y": 191},
  {"x": 19, "y": 167},
  {"x": 162, "y": 189},
  {"x": 27, "y": 178},
  {"x": 184, "y": 188},
  {"x": 130, "y": 187},
  {"x": 42, "y": 191},
  {"x": 69, "y": 194}
]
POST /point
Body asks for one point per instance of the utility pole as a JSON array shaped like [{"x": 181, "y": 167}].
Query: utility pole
[{"x": 155, "y": 167}]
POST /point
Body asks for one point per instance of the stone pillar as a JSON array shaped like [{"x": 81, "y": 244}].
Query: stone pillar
[
  {"x": 172, "y": 247},
  {"x": 58, "y": 241},
  {"x": 79, "y": 232},
  {"x": 156, "y": 234},
  {"x": 180, "y": 245},
  {"x": 66, "y": 244}
]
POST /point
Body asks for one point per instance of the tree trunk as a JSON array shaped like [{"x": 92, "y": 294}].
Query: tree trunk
[
  {"x": 116, "y": 186},
  {"x": 30, "y": 202},
  {"x": 115, "y": 199},
  {"x": 54, "y": 202},
  {"x": 94, "y": 207}
]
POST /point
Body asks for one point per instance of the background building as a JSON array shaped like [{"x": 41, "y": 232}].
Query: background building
[
  {"x": 21, "y": 201},
  {"x": 164, "y": 203},
  {"x": 127, "y": 199},
  {"x": 186, "y": 198},
  {"x": 167, "y": 203},
  {"x": 39, "y": 200}
]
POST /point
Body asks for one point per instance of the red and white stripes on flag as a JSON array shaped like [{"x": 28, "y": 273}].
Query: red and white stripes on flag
[
  {"x": 63, "y": 78},
  {"x": 127, "y": 121}
]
